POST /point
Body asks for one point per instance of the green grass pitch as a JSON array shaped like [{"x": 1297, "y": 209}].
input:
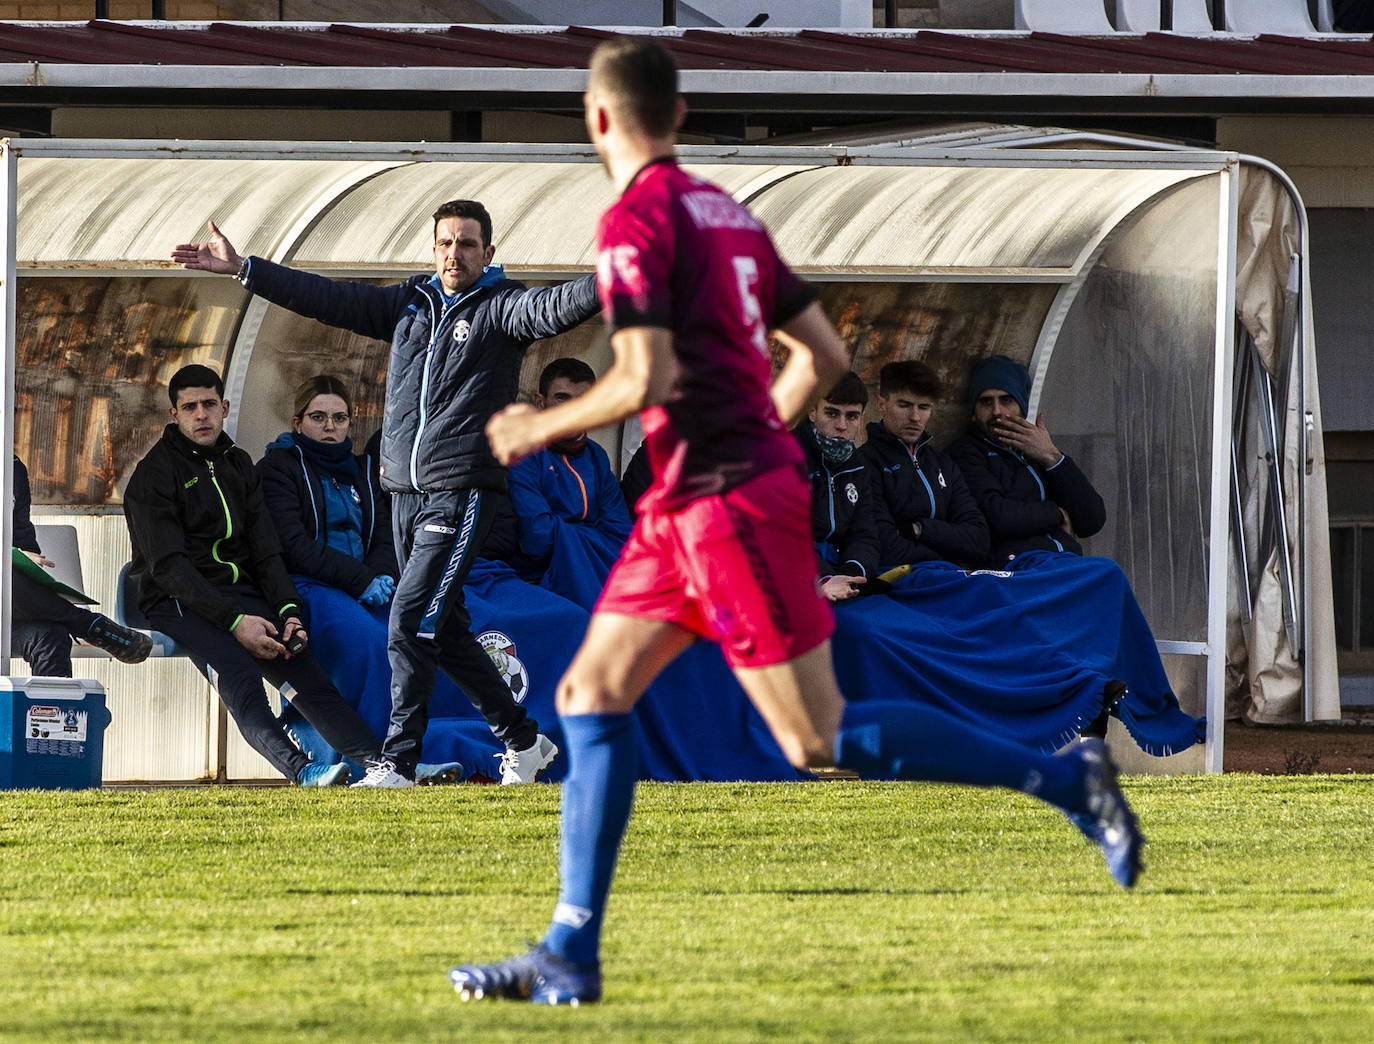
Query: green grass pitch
[{"x": 821, "y": 911}]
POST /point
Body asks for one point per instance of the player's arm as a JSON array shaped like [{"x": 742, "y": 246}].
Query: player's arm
[
  {"x": 818, "y": 359},
  {"x": 640, "y": 376}
]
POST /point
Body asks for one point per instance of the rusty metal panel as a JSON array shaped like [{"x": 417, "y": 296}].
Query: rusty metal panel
[
  {"x": 94, "y": 357},
  {"x": 467, "y": 46},
  {"x": 947, "y": 326}
]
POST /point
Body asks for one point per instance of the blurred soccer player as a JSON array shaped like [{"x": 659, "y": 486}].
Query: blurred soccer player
[{"x": 692, "y": 286}]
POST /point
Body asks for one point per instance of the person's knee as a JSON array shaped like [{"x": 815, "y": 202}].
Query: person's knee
[
  {"x": 581, "y": 692},
  {"x": 47, "y": 648}
]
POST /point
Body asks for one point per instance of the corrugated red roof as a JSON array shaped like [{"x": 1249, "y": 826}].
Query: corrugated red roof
[{"x": 268, "y": 44}]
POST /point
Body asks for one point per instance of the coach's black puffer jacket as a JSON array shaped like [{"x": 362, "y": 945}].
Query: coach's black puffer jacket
[{"x": 449, "y": 369}]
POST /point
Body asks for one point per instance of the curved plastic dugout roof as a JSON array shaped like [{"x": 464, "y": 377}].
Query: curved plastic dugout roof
[{"x": 834, "y": 212}]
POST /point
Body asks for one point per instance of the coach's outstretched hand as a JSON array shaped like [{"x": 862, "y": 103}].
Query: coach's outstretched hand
[
  {"x": 514, "y": 433},
  {"x": 218, "y": 255}
]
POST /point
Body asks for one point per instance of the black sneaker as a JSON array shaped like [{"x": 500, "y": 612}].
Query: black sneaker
[
  {"x": 123, "y": 643},
  {"x": 538, "y": 976}
]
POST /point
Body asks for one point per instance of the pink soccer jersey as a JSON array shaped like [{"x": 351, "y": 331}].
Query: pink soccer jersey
[{"x": 677, "y": 252}]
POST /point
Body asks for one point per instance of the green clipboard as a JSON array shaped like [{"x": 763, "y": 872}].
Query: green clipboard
[{"x": 24, "y": 564}]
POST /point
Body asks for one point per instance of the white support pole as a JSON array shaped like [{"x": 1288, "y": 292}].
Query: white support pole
[
  {"x": 1218, "y": 548},
  {"x": 9, "y": 192}
]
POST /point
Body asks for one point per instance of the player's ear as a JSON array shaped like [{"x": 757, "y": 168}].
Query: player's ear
[{"x": 680, "y": 113}]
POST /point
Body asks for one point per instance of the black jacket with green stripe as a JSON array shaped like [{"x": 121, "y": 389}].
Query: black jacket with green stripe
[{"x": 200, "y": 530}]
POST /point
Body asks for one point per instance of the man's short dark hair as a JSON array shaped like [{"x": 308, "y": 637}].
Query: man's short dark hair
[
  {"x": 849, "y": 390},
  {"x": 194, "y": 376},
  {"x": 639, "y": 77},
  {"x": 570, "y": 369},
  {"x": 910, "y": 376},
  {"x": 465, "y": 208}
]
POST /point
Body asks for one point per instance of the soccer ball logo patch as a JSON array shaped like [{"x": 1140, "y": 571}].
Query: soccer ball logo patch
[
  {"x": 851, "y": 493},
  {"x": 502, "y": 652},
  {"x": 461, "y": 329}
]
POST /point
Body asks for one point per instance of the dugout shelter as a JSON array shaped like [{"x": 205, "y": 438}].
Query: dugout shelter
[{"x": 1160, "y": 298}]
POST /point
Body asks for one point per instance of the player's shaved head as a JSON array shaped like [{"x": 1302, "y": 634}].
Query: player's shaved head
[{"x": 637, "y": 77}]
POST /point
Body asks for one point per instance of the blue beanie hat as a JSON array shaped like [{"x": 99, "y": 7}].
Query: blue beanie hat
[{"x": 999, "y": 371}]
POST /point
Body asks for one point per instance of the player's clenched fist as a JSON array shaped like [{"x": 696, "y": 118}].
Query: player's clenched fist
[{"x": 513, "y": 433}]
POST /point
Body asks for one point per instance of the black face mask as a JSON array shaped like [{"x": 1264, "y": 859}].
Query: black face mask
[{"x": 834, "y": 450}]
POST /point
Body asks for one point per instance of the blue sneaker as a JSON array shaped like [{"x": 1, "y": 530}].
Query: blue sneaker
[
  {"x": 538, "y": 976},
  {"x": 442, "y": 774},
  {"x": 318, "y": 775},
  {"x": 1107, "y": 821}
]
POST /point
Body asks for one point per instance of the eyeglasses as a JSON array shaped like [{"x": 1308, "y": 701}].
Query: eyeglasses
[{"x": 319, "y": 417}]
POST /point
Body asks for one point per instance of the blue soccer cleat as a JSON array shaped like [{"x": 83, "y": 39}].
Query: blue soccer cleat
[
  {"x": 443, "y": 774},
  {"x": 537, "y": 976},
  {"x": 317, "y": 775},
  {"x": 1107, "y": 821}
]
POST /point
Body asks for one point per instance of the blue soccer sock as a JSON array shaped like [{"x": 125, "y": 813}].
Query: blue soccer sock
[
  {"x": 881, "y": 740},
  {"x": 597, "y": 797}
]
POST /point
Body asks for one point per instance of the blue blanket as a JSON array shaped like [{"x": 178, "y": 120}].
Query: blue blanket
[{"x": 1025, "y": 653}]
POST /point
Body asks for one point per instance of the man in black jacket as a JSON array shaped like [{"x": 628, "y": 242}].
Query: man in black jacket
[
  {"x": 1033, "y": 496},
  {"x": 926, "y": 512},
  {"x": 457, "y": 340},
  {"x": 42, "y": 622},
  {"x": 843, "y": 520},
  {"x": 210, "y": 574}
]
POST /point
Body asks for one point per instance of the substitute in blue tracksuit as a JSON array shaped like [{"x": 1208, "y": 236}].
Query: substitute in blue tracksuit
[
  {"x": 457, "y": 341},
  {"x": 1034, "y": 497},
  {"x": 569, "y": 489}
]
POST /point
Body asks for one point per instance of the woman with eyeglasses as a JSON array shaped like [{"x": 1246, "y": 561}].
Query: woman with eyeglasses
[{"x": 334, "y": 522}]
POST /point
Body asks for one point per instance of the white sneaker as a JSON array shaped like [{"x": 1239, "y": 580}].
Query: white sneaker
[
  {"x": 382, "y": 773},
  {"x": 524, "y": 766}
]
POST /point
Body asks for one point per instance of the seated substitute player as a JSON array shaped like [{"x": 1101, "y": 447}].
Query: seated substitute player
[
  {"x": 1034, "y": 497},
  {"x": 926, "y": 511},
  {"x": 569, "y": 488},
  {"x": 691, "y": 285},
  {"x": 334, "y": 523},
  {"x": 210, "y": 574},
  {"x": 42, "y": 622},
  {"x": 843, "y": 523}
]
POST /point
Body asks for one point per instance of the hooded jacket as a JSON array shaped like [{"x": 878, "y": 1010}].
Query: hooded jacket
[
  {"x": 1021, "y": 500},
  {"x": 452, "y": 364},
  {"x": 296, "y": 497},
  {"x": 929, "y": 490},
  {"x": 843, "y": 521},
  {"x": 199, "y": 527}
]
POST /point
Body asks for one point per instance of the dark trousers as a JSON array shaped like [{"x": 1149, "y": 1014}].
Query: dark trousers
[
  {"x": 438, "y": 536},
  {"x": 42, "y": 624},
  {"x": 238, "y": 676}
]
